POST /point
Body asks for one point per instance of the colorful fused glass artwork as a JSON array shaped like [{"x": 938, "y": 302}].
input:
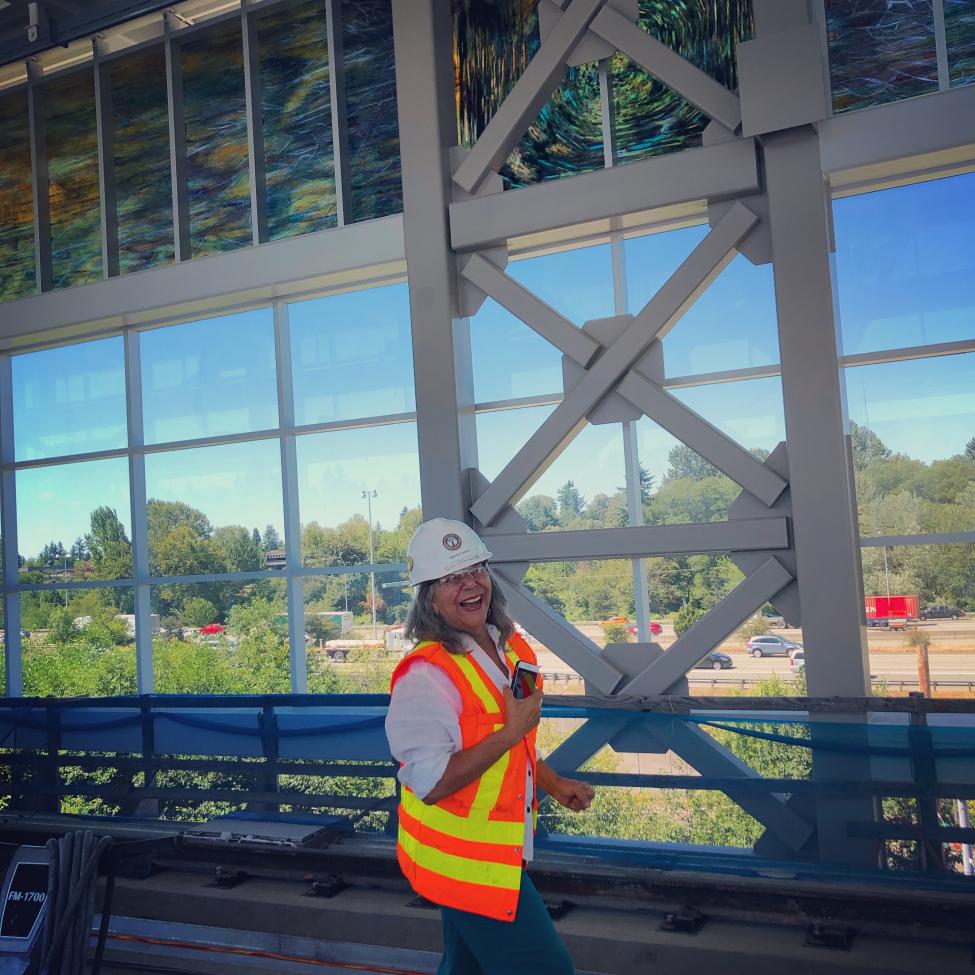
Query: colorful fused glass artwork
[
  {"x": 143, "y": 182},
  {"x": 371, "y": 119},
  {"x": 17, "y": 276},
  {"x": 650, "y": 119},
  {"x": 216, "y": 141},
  {"x": 297, "y": 117},
  {"x": 960, "y": 35},
  {"x": 493, "y": 42},
  {"x": 880, "y": 51},
  {"x": 72, "y": 160}
]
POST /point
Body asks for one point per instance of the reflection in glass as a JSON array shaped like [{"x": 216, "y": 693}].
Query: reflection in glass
[
  {"x": 912, "y": 426},
  {"x": 72, "y": 160},
  {"x": 69, "y": 400},
  {"x": 904, "y": 265},
  {"x": 296, "y": 112},
  {"x": 880, "y": 51},
  {"x": 373, "y": 125},
  {"x": 216, "y": 140},
  {"x": 221, "y": 638},
  {"x": 352, "y": 355},
  {"x": 141, "y": 149},
  {"x": 960, "y": 35},
  {"x": 649, "y": 118},
  {"x": 334, "y": 469},
  {"x": 16, "y": 193},
  {"x": 78, "y": 641},
  {"x": 214, "y": 509},
  {"x": 209, "y": 378},
  {"x": 73, "y": 521}
]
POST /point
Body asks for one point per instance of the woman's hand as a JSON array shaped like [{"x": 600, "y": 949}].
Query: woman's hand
[
  {"x": 572, "y": 794},
  {"x": 521, "y": 714}
]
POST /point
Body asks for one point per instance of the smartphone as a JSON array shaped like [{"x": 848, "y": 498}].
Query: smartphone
[{"x": 525, "y": 679}]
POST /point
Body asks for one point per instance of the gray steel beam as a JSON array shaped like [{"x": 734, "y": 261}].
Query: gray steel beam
[
  {"x": 941, "y": 45},
  {"x": 340, "y": 129},
  {"x": 441, "y": 339},
  {"x": 533, "y": 89},
  {"x": 660, "y": 314},
  {"x": 37, "y": 122},
  {"x": 256, "y": 157},
  {"x": 177, "y": 142},
  {"x": 720, "y": 171},
  {"x": 709, "y": 631},
  {"x": 677, "y": 73},
  {"x": 757, "y": 534},
  {"x": 13, "y": 659},
  {"x": 108, "y": 200}
]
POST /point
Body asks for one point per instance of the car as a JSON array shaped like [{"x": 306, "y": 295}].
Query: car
[
  {"x": 940, "y": 612},
  {"x": 798, "y": 658},
  {"x": 715, "y": 661},
  {"x": 655, "y": 629},
  {"x": 771, "y": 646},
  {"x": 614, "y": 619},
  {"x": 211, "y": 628}
]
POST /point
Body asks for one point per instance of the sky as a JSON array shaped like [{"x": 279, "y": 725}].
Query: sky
[{"x": 905, "y": 272}]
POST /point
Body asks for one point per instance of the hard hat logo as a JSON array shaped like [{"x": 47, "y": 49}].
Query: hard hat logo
[{"x": 452, "y": 542}]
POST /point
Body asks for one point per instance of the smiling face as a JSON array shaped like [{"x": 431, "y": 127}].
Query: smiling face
[{"x": 463, "y": 603}]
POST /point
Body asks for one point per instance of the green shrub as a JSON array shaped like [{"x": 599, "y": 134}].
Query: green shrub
[{"x": 686, "y": 617}]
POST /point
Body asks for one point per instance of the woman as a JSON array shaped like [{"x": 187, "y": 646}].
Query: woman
[{"x": 468, "y": 766}]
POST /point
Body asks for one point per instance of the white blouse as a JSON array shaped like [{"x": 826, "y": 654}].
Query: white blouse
[{"x": 423, "y": 725}]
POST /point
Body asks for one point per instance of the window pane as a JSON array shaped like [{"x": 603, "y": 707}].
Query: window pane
[
  {"x": 334, "y": 470},
  {"x": 296, "y": 111},
  {"x": 649, "y": 118},
  {"x": 373, "y": 125},
  {"x": 72, "y": 161},
  {"x": 584, "y": 487},
  {"x": 732, "y": 325},
  {"x": 221, "y": 638},
  {"x": 880, "y": 51},
  {"x": 960, "y": 35},
  {"x": 143, "y": 183},
  {"x": 69, "y": 400},
  {"x": 912, "y": 425},
  {"x": 75, "y": 517},
  {"x": 16, "y": 195},
  {"x": 86, "y": 647},
  {"x": 216, "y": 140},
  {"x": 904, "y": 265},
  {"x": 578, "y": 283},
  {"x": 352, "y": 355},
  {"x": 196, "y": 497},
  {"x": 209, "y": 378}
]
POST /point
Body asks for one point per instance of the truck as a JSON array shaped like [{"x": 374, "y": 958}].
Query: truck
[{"x": 890, "y": 611}]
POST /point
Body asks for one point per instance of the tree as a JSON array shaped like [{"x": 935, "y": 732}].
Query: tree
[
  {"x": 970, "y": 449},
  {"x": 256, "y": 537},
  {"x": 868, "y": 448},
  {"x": 570, "y": 502},
  {"x": 234, "y": 546},
  {"x": 272, "y": 540},
  {"x": 198, "y": 612},
  {"x": 539, "y": 512},
  {"x": 686, "y": 463},
  {"x": 111, "y": 553},
  {"x": 79, "y": 550}
]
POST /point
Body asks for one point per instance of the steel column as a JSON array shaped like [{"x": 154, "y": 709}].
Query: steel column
[
  {"x": 105, "y": 129},
  {"x": 441, "y": 341},
  {"x": 340, "y": 128},
  {"x": 257, "y": 163},
  {"x": 177, "y": 142},
  {"x": 13, "y": 660}
]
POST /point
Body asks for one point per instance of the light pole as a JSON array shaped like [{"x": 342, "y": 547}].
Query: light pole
[{"x": 369, "y": 495}]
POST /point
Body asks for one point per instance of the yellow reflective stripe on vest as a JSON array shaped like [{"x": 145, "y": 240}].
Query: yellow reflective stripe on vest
[
  {"x": 460, "y": 827},
  {"x": 477, "y": 683},
  {"x": 504, "y": 876}
]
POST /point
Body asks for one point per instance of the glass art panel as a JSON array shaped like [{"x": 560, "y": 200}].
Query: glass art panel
[
  {"x": 296, "y": 109},
  {"x": 216, "y": 141},
  {"x": 143, "y": 183},
  {"x": 17, "y": 276},
  {"x": 72, "y": 160},
  {"x": 880, "y": 51},
  {"x": 960, "y": 37},
  {"x": 371, "y": 119}
]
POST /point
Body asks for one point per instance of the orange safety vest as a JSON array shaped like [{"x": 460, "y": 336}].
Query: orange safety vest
[{"x": 465, "y": 851}]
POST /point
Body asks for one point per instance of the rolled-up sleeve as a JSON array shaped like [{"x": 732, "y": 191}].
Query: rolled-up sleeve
[{"x": 423, "y": 725}]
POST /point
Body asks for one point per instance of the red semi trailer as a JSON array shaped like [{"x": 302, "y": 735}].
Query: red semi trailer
[{"x": 890, "y": 610}]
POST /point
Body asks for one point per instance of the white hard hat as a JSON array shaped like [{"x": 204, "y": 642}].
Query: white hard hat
[{"x": 441, "y": 546}]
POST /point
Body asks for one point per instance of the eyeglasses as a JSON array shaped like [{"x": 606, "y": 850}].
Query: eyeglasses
[{"x": 455, "y": 578}]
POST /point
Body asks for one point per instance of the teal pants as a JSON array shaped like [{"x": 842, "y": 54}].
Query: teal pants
[{"x": 529, "y": 945}]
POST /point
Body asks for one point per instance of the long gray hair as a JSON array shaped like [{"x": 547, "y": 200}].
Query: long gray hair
[{"x": 425, "y": 623}]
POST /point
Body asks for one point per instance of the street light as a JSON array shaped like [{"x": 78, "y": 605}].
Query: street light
[{"x": 369, "y": 495}]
